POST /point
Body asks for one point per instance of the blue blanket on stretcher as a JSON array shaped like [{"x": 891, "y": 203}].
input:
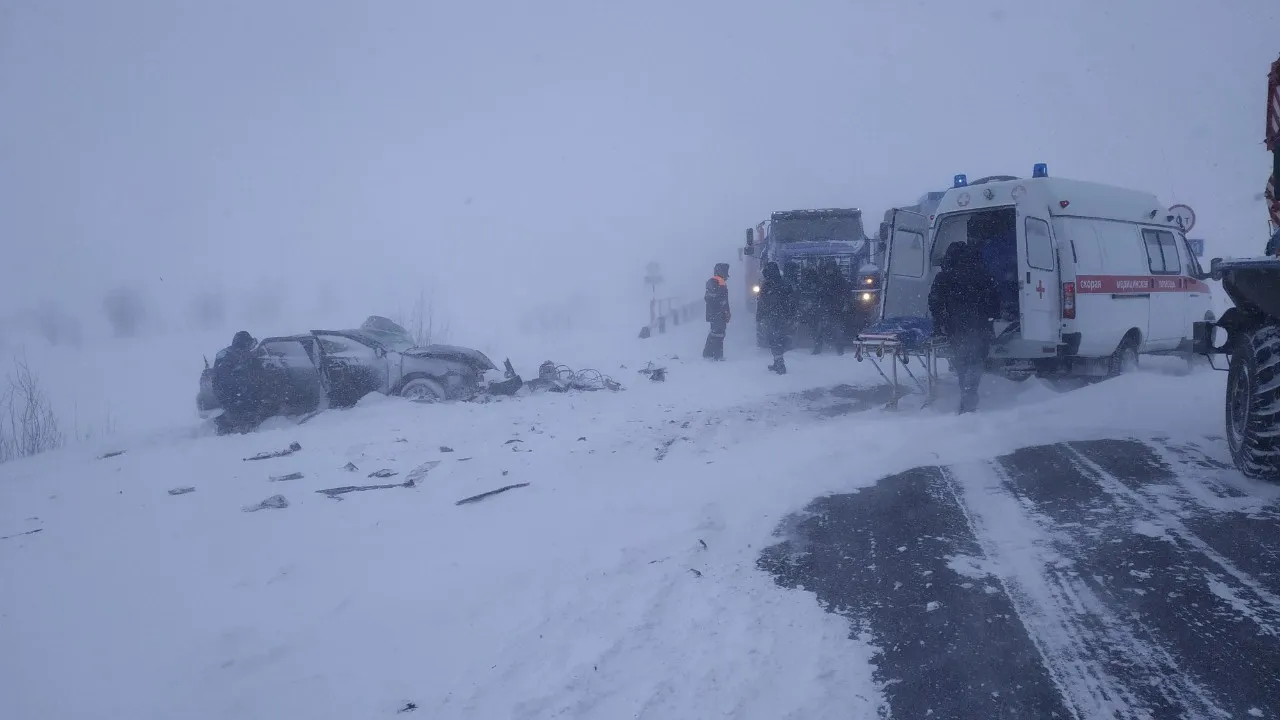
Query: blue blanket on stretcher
[{"x": 910, "y": 331}]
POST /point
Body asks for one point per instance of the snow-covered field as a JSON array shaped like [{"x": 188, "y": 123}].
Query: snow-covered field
[{"x": 621, "y": 581}]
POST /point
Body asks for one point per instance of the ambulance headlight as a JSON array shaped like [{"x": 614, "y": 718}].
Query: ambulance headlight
[{"x": 755, "y": 289}]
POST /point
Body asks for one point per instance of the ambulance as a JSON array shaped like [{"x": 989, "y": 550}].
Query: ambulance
[{"x": 1090, "y": 276}]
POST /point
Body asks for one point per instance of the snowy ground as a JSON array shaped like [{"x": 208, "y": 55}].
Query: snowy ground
[{"x": 625, "y": 580}]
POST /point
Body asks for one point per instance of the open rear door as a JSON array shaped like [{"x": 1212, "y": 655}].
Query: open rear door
[
  {"x": 906, "y": 277},
  {"x": 1038, "y": 301}
]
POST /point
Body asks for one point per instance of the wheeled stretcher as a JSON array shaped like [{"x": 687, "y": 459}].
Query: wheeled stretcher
[{"x": 901, "y": 339}]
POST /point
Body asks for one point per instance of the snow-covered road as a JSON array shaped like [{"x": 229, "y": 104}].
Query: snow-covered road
[{"x": 639, "y": 573}]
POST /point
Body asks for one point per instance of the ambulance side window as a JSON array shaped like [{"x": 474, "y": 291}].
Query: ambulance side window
[
  {"x": 1039, "y": 246},
  {"x": 1162, "y": 252}
]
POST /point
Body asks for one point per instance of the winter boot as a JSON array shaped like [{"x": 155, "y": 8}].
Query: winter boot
[
  {"x": 708, "y": 350},
  {"x": 779, "y": 366}
]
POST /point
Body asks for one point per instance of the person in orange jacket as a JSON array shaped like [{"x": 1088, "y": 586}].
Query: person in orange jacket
[{"x": 717, "y": 300}]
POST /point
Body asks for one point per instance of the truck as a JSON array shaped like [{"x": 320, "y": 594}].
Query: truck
[
  {"x": 796, "y": 239},
  {"x": 1252, "y": 329}
]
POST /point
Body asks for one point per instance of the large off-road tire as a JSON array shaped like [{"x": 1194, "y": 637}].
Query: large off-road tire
[
  {"x": 423, "y": 389},
  {"x": 1253, "y": 403}
]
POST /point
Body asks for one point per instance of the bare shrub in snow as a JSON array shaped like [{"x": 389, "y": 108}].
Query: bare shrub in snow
[
  {"x": 27, "y": 423},
  {"x": 56, "y": 325},
  {"x": 125, "y": 311},
  {"x": 423, "y": 321},
  {"x": 209, "y": 310}
]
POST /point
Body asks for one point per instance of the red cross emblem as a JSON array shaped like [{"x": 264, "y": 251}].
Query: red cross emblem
[{"x": 1040, "y": 288}]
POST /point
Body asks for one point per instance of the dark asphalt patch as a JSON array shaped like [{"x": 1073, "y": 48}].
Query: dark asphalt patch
[
  {"x": 1169, "y": 597},
  {"x": 845, "y": 399},
  {"x": 952, "y": 646}
]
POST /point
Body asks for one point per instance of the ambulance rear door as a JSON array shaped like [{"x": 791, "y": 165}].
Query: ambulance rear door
[{"x": 1039, "y": 302}]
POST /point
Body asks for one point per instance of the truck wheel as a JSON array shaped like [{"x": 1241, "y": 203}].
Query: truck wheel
[{"x": 1253, "y": 403}]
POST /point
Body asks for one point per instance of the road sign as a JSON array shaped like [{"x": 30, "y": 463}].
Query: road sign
[
  {"x": 1197, "y": 246},
  {"x": 653, "y": 274},
  {"x": 1184, "y": 216}
]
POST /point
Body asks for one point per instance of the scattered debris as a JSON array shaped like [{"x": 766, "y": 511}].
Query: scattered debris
[
  {"x": 417, "y": 474},
  {"x": 113, "y": 453},
  {"x": 307, "y": 418},
  {"x": 463, "y": 459},
  {"x": 350, "y": 467},
  {"x": 561, "y": 378},
  {"x": 275, "y": 502},
  {"x": 336, "y": 492},
  {"x": 653, "y": 372},
  {"x": 403, "y": 440},
  {"x": 703, "y": 543},
  {"x": 582, "y": 439},
  {"x": 661, "y": 451},
  {"x": 491, "y": 493},
  {"x": 283, "y": 478},
  {"x": 293, "y": 448},
  {"x": 410, "y": 707},
  {"x": 182, "y": 490},
  {"x": 383, "y": 473},
  {"x": 695, "y": 572},
  {"x": 29, "y": 532},
  {"x": 445, "y": 449},
  {"x": 504, "y": 473},
  {"x": 513, "y": 440}
]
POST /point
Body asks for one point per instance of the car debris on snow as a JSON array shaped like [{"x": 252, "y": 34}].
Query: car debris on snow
[
  {"x": 337, "y": 492},
  {"x": 446, "y": 449},
  {"x": 293, "y": 448},
  {"x": 383, "y": 473},
  {"x": 275, "y": 502},
  {"x": 17, "y": 535},
  {"x": 181, "y": 490},
  {"x": 491, "y": 493},
  {"x": 113, "y": 453},
  {"x": 416, "y": 475},
  {"x": 285, "y": 478},
  {"x": 350, "y": 467},
  {"x": 654, "y": 372}
]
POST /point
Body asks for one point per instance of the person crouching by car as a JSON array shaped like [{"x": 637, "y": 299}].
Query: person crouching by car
[
  {"x": 717, "y": 300},
  {"x": 962, "y": 301},
  {"x": 248, "y": 388},
  {"x": 776, "y": 308}
]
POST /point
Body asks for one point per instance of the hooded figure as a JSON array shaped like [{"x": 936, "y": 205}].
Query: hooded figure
[
  {"x": 717, "y": 300},
  {"x": 833, "y": 300},
  {"x": 807, "y": 300},
  {"x": 234, "y": 384},
  {"x": 962, "y": 302},
  {"x": 774, "y": 310}
]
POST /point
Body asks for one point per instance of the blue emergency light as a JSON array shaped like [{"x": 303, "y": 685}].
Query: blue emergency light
[
  {"x": 1041, "y": 170},
  {"x": 960, "y": 181}
]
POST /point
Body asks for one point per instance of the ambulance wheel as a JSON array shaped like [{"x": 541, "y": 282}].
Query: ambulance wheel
[
  {"x": 1125, "y": 358},
  {"x": 1253, "y": 403}
]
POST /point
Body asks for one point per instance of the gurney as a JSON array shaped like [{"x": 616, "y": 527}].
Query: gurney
[{"x": 900, "y": 339}]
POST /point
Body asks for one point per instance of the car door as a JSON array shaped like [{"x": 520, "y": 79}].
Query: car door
[
  {"x": 354, "y": 366},
  {"x": 295, "y": 355},
  {"x": 1039, "y": 315},
  {"x": 907, "y": 276},
  {"x": 1168, "y": 290}
]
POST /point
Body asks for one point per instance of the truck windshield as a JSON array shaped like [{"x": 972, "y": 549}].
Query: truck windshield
[{"x": 818, "y": 228}]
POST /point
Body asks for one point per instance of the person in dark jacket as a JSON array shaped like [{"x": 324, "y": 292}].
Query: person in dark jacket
[
  {"x": 962, "y": 302},
  {"x": 1273, "y": 245},
  {"x": 833, "y": 302},
  {"x": 248, "y": 389},
  {"x": 776, "y": 308},
  {"x": 807, "y": 301},
  {"x": 717, "y": 300}
]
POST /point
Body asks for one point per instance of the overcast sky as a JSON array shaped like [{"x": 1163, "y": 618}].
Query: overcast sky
[{"x": 522, "y": 152}]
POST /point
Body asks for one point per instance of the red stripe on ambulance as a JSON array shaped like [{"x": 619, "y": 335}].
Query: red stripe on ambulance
[{"x": 1125, "y": 284}]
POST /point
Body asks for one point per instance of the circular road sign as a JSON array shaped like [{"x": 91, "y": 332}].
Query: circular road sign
[{"x": 1184, "y": 216}]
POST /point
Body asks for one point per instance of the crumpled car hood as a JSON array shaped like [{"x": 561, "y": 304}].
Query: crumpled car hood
[{"x": 453, "y": 352}]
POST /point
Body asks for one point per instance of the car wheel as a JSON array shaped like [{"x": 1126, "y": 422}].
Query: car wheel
[
  {"x": 1124, "y": 359},
  {"x": 423, "y": 390},
  {"x": 1253, "y": 404}
]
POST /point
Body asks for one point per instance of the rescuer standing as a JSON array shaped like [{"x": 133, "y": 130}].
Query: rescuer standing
[
  {"x": 963, "y": 301},
  {"x": 717, "y": 299}
]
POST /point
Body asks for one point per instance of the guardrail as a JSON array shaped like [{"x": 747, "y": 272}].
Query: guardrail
[{"x": 669, "y": 311}]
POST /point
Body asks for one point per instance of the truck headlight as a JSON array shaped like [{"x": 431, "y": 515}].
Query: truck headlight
[
  {"x": 868, "y": 281},
  {"x": 755, "y": 289},
  {"x": 866, "y": 297}
]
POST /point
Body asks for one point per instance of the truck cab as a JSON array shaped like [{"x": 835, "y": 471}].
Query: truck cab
[{"x": 798, "y": 239}]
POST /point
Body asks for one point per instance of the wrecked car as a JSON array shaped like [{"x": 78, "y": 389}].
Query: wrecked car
[{"x": 335, "y": 368}]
